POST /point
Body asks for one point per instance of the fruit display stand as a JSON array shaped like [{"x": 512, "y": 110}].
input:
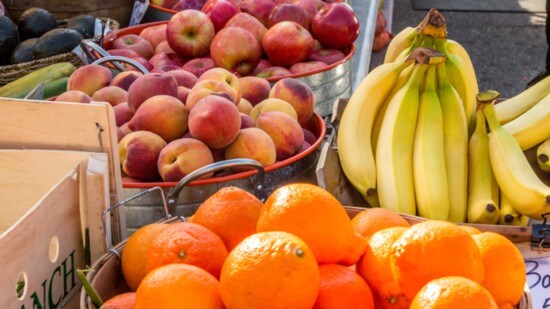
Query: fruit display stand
[
  {"x": 28, "y": 124},
  {"x": 49, "y": 224}
]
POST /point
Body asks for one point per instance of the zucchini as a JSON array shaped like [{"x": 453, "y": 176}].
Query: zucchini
[
  {"x": 20, "y": 87},
  {"x": 55, "y": 87}
]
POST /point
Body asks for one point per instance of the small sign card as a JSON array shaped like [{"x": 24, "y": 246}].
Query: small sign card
[
  {"x": 538, "y": 279},
  {"x": 140, "y": 6}
]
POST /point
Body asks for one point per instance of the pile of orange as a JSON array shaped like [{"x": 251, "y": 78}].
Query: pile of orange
[{"x": 300, "y": 249}]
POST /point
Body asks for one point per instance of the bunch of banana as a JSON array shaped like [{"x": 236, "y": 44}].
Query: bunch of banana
[{"x": 432, "y": 33}]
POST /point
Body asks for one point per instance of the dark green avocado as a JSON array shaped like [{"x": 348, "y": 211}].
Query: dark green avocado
[
  {"x": 55, "y": 42},
  {"x": 9, "y": 38},
  {"x": 23, "y": 51},
  {"x": 85, "y": 24},
  {"x": 34, "y": 22}
]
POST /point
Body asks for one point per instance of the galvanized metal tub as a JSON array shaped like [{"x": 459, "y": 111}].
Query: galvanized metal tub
[
  {"x": 148, "y": 208},
  {"x": 328, "y": 84}
]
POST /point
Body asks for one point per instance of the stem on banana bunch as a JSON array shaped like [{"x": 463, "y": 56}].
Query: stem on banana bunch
[
  {"x": 486, "y": 98},
  {"x": 426, "y": 56},
  {"x": 433, "y": 25}
]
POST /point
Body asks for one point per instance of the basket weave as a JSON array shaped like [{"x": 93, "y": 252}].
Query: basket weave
[{"x": 9, "y": 73}]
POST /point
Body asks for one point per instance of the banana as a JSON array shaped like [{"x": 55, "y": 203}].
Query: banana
[
  {"x": 400, "y": 42},
  {"x": 543, "y": 155},
  {"x": 394, "y": 151},
  {"x": 458, "y": 76},
  {"x": 511, "y": 108},
  {"x": 514, "y": 174},
  {"x": 510, "y": 216},
  {"x": 430, "y": 175},
  {"x": 533, "y": 126},
  {"x": 455, "y": 128},
  {"x": 354, "y": 131},
  {"x": 482, "y": 206}
]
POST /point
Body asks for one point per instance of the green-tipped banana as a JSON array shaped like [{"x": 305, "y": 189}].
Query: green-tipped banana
[
  {"x": 543, "y": 156},
  {"x": 394, "y": 151},
  {"x": 401, "y": 41},
  {"x": 455, "y": 128},
  {"x": 514, "y": 174},
  {"x": 513, "y": 107},
  {"x": 510, "y": 216},
  {"x": 482, "y": 206},
  {"x": 533, "y": 126},
  {"x": 354, "y": 132},
  {"x": 430, "y": 175}
]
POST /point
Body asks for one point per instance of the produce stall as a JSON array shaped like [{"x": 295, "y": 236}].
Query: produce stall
[{"x": 254, "y": 154}]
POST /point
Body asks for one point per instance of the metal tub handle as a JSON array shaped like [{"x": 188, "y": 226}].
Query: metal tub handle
[{"x": 115, "y": 59}]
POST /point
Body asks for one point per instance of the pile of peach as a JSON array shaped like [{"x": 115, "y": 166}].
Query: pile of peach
[{"x": 172, "y": 123}]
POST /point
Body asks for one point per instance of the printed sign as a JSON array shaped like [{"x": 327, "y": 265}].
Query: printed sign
[
  {"x": 140, "y": 6},
  {"x": 538, "y": 279}
]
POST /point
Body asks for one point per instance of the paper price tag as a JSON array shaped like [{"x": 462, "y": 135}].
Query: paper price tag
[
  {"x": 140, "y": 6},
  {"x": 538, "y": 279}
]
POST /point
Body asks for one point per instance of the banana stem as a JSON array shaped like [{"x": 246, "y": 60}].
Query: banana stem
[
  {"x": 488, "y": 98},
  {"x": 433, "y": 24},
  {"x": 426, "y": 56}
]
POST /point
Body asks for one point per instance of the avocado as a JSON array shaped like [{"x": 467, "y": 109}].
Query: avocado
[
  {"x": 85, "y": 24},
  {"x": 9, "y": 38},
  {"x": 23, "y": 51},
  {"x": 55, "y": 42},
  {"x": 34, "y": 22}
]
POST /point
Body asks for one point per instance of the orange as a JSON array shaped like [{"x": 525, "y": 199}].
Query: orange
[
  {"x": 470, "y": 229},
  {"x": 453, "y": 293},
  {"x": 433, "y": 249},
  {"x": 375, "y": 267},
  {"x": 179, "y": 286},
  {"x": 270, "y": 270},
  {"x": 187, "y": 243},
  {"x": 505, "y": 272},
  {"x": 232, "y": 213},
  {"x": 121, "y": 301},
  {"x": 342, "y": 288},
  {"x": 134, "y": 255},
  {"x": 317, "y": 217},
  {"x": 372, "y": 220}
]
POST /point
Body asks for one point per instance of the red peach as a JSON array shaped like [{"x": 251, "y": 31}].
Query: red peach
[
  {"x": 183, "y": 156},
  {"x": 139, "y": 152}
]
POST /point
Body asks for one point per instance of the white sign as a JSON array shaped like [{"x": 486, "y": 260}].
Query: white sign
[
  {"x": 140, "y": 6},
  {"x": 538, "y": 279}
]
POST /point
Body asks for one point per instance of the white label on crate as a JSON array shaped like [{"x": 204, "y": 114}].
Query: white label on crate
[
  {"x": 538, "y": 279},
  {"x": 140, "y": 6}
]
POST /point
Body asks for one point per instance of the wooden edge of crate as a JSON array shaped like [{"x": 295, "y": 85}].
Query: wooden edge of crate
[{"x": 36, "y": 124}]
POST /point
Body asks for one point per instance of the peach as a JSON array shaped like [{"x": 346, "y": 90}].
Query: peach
[
  {"x": 218, "y": 154},
  {"x": 123, "y": 113},
  {"x": 183, "y": 93},
  {"x": 226, "y": 77},
  {"x": 305, "y": 146},
  {"x": 80, "y": 78},
  {"x": 252, "y": 143},
  {"x": 183, "y": 78},
  {"x": 75, "y": 96},
  {"x": 161, "y": 114},
  {"x": 150, "y": 85},
  {"x": 139, "y": 152},
  {"x": 207, "y": 87},
  {"x": 254, "y": 89},
  {"x": 125, "y": 129},
  {"x": 285, "y": 131},
  {"x": 183, "y": 156},
  {"x": 215, "y": 120},
  {"x": 112, "y": 94},
  {"x": 125, "y": 79},
  {"x": 247, "y": 121},
  {"x": 298, "y": 94},
  {"x": 273, "y": 104},
  {"x": 309, "y": 137},
  {"x": 244, "y": 106}
]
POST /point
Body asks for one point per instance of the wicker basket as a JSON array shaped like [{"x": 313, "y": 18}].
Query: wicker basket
[
  {"x": 120, "y": 10},
  {"x": 9, "y": 73}
]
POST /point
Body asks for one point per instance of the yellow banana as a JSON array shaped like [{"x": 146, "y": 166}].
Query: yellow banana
[
  {"x": 398, "y": 43},
  {"x": 458, "y": 76},
  {"x": 394, "y": 168},
  {"x": 543, "y": 155},
  {"x": 455, "y": 128},
  {"x": 514, "y": 174},
  {"x": 511, "y": 108},
  {"x": 354, "y": 131},
  {"x": 533, "y": 126},
  {"x": 482, "y": 206},
  {"x": 510, "y": 216},
  {"x": 430, "y": 175}
]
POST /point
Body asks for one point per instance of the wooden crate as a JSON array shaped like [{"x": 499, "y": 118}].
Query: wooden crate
[
  {"x": 44, "y": 220},
  {"x": 28, "y": 124}
]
